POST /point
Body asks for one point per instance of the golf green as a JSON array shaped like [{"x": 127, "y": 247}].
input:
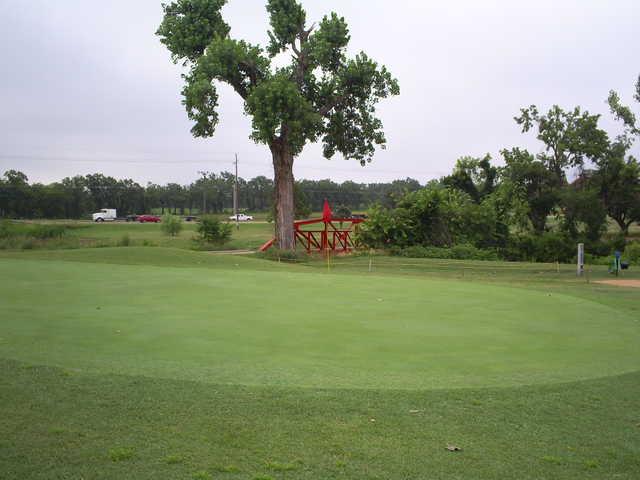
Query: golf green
[{"x": 238, "y": 325}]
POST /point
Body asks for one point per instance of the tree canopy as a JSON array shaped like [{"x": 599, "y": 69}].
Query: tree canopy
[{"x": 320, "y": 95}]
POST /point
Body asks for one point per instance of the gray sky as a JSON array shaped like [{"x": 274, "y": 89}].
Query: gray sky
[{"x": 86, "y": 86}]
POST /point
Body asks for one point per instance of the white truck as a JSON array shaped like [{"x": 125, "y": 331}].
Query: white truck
[
  {"x": 241, "y": 217},
  {"x": 105, "y": 215}
]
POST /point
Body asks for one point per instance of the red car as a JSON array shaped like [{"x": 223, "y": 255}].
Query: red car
[{"x": 149, "y": 219}]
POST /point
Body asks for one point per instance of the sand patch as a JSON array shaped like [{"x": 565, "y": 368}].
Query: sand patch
[{"x": 621, "y": 283}]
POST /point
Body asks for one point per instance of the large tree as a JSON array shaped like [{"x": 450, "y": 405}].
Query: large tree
[
  {"x": 569, "y": 137},
  {"x": 618, "y": 176},
  {"x": 625, "y": 115},
  {"x": 319, "y": 95},
  {"x": 529, "y": 182},
  {"x": 475, "y": 176}
]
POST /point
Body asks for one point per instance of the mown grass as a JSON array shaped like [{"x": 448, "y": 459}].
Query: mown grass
[
  {"x": 74, "y": 235},
  {"x": 167, "y": 363},
  {"x": 589, "y": 429}
]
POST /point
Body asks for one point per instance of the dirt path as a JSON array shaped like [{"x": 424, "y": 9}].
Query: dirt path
[
  {"x": 232, "y": 252},
  {"x": 621, "y": 283}
]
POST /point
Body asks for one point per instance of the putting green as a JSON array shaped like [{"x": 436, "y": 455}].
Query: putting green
[{"x": 237, "y": 325}]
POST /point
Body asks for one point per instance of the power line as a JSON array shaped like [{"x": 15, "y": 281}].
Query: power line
[{"x": 152, "y": 161}]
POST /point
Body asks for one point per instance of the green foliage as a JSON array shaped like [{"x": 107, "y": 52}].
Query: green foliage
[
  {"x": 277, "y": 102},
  {"x": 121, "y": 454},
  {"x": 548, "y": 247},
  {"x": 212, "y": 231},
  {"x": 28, "y": 244},
  {"x": 171, "y": 225},
  {"x": 6, "y": 229},
  {"x": 189, "y": 26},
  {"x": 124, "y": 241},
  {"x": 618, "y": 182},
  {"x": 473, "y": 176},
  {"x": 320, "y": 94},
  {"x": 622, "y": 113},
  {"x": 45, "y": 232},
  {"x": 584, "y": 216},
  {"x": 569, "y": 137},
  {"x": 632, "y": 253},
  {"x": 286, "y": 18},
  {"x": 342, "y": 211},
  {"x": 531, "y": 185},
  {"x": 434, "y": 216},
  {"x": 278, "y": 255},
  {"x": 457, "y": 252}
]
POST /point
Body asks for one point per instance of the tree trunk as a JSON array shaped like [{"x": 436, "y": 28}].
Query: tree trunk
[
  {"x": 623, "y": 224},
  {"x": 284, "y": 201}
]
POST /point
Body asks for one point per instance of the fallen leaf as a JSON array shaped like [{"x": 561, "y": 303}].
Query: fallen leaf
[{"x": 415, "y": 411}]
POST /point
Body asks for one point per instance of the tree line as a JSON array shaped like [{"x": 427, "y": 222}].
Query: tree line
[
  {"x": 528, "y": 208},
  {"x": 79, "y": 196}
]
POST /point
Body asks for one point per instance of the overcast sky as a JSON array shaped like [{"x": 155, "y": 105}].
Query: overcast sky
[{"x": 86, "y": 86}]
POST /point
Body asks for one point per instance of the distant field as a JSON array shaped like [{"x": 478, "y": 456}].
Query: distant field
[{"x": 249, "y": 236}]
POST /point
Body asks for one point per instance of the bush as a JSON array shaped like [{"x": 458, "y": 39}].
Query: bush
[
  {"x": 548, "y": 247},
  {"x": 632, "y": 253},
  {"x": 171, "y": 225},
  {"x": 28, "y": 244},
  {"x": 212, "y": 231},
  {"x": 44, "y": 232},
  {"x": 278, "y": 255},
  {"x": 6, "y": 230},
  {"x": 457, "y": 252},
  {"x": 125, "y": 241}
]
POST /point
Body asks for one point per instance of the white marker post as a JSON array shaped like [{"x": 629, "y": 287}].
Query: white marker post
[{"x": 580, "y": 259}]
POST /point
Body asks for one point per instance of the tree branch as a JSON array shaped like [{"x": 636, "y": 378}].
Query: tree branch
[{"x": 326, "y": 109}]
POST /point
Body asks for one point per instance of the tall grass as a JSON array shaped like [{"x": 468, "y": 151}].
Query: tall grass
[{"x": 14, "y": 235}]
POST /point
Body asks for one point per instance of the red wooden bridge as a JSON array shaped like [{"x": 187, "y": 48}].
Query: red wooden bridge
[{"x": 336, "y": 235}]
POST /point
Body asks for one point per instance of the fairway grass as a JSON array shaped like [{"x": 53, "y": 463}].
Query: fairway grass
[
  {"x": 241, "y": 326},
  {"x": 161, "y": 363}
]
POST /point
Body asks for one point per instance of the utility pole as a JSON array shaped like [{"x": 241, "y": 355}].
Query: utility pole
[
  {"x": 204, "y": 193},
  {"x": 235, "y": 196}
]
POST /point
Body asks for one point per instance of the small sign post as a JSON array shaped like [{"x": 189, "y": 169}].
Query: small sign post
[{"x": 580, "y": 259}]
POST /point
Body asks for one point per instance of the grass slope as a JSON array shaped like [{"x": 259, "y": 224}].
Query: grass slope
[
  {"x": 59, "y": 425},
  {"x": 146, "y": 382}
]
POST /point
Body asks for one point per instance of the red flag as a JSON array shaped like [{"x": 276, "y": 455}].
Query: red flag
[{"x": 327, "y": 214}]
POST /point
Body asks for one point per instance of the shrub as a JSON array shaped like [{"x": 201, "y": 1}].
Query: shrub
[
  {"x": 283, "y": 255},
  {"x": 6, "y": 230},
  {"x": 342, "y": 211},
  {"x": 171, "y": 225},
  {"x": 632, "y": 253},
  {"x": 44, "y": 232},
  {"x": 125, "y": 241},
  {"x": 548, "y": 247},
  {"x": 28, "y": 244},
  {"x": 212, "y": 231},
  {"x": 457, "y": 252}
]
